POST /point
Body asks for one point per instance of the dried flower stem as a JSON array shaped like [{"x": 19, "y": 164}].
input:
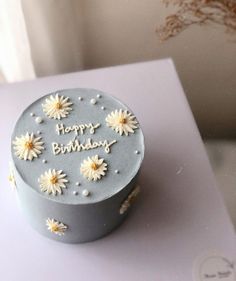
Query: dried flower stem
[{"x": 190, "y": 12}]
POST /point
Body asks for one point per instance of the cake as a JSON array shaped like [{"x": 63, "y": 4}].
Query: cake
[{"x": 76, "y": 155}]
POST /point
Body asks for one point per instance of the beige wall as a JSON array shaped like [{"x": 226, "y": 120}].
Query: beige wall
[
  {"x": 120, "y": 32},
  {"x": 111, "y": 32},
  {"x": 56, "y": 35}
]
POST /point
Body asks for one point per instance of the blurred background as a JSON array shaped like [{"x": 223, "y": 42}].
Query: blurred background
[{"x": 48, "y": 37}]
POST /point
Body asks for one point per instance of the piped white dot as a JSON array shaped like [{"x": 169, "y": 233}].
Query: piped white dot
[
  {"x": 38, "y": 119},
  {"x": 93, "y": 101},
  {"x": 77, "y": 183},
  {"x": 39, "y": 132},
  {"x": 136, "y": 152},
  {"x": 117, "y": 171},
  {"x": 44, "y": 161},
  {"x": 32, "y": 114},
  {"x": 103, "y": 108},
  {"x": 98, "y": 96},
  {"x": 75, "y": 192},
  {"x": 85, "y": 192},
  {"x": 80, "y": 98}
]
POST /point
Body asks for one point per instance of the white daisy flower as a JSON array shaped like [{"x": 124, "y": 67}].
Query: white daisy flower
[
  {"x": 52, "y": 181},
  {"x": 122, "y": 121},
  {"x": 56, "y": 227},
  {"x": 57, "y": 107},
  {"x": 93, "y": 168},
  {"x": 130, "y": 199},
  {"x": 27, "y": 147},
  {"x": 11, "y": 177}
]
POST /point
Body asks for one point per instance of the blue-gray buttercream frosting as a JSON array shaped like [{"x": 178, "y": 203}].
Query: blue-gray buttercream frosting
[{"x": 88, "y": 106}]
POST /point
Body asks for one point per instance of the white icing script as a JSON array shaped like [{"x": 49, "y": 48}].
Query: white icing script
[
  {"x": 75, "y": 145},
  {"x": 78, "y": 129}
]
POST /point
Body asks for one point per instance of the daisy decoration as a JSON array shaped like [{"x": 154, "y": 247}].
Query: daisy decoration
[
  {"x": 93, "y": 168},
  {"x": 52, "y": 181},
  {"x": 57, "y": 107},
  {"x": 11, "y": 177},
  {"x": 28, "y": 146},
  {"x": 122, "y": 121},
  {"x": 56, "y": 227},
  {"x": 130, "y": 199}
]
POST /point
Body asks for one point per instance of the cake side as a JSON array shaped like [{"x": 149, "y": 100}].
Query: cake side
[{"x": 81, "y": 222}]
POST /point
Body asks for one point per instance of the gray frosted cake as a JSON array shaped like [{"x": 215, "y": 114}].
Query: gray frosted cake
[{"x": 76, "y": 156}]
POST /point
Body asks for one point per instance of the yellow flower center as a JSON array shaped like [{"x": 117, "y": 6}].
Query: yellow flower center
[
  {"x": 29, "y": 145},
  {"x": 54, "y": 228},
  {"x": 53, "y": 180},
  {"x": 122, "y": 120},
  {"x": 94, "y": 166},
  {"x": 58, "y": 105},
  {"x": 11, "y": 178}
]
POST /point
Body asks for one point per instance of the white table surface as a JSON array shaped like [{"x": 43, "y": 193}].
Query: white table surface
[
  {"x": 221, "y": 153},
  {"x": 179, "y": 216}
]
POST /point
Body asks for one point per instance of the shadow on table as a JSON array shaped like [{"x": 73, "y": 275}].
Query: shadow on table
[{"x": 158, "y": 213}]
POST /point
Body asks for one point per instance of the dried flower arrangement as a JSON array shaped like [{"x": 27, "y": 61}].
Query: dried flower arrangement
[{"x": 190, "y": 12}]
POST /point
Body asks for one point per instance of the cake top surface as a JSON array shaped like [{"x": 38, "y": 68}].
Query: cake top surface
[{"x": 77, "y": 146}]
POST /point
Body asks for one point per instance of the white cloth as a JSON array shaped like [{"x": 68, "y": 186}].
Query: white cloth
[
  {"x": 15, "y": 57},
  {"x": 39, "y": 38}
]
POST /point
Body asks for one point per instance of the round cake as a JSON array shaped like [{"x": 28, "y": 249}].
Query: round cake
[{"x": 76, "y": 156}]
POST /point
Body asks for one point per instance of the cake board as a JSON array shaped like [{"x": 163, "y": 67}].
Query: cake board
[{"x": 179, "y": 216}]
